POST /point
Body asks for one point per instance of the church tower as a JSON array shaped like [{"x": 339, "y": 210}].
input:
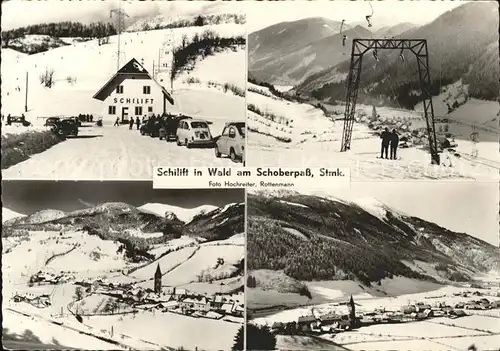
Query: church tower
[
  {"x": 352, "y": 311},
  {"x": 158, "y": 280}
]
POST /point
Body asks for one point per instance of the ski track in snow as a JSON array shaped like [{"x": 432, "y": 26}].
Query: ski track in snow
[{"x": 113, "y": 153}]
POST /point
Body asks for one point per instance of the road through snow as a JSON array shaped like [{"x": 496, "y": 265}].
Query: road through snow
[{"x": 112, "y": 153}]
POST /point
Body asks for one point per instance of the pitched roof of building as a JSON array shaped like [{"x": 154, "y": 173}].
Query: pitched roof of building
[
  {"x": 135, "y": 68},
  {"x": 305, "y": 319}
]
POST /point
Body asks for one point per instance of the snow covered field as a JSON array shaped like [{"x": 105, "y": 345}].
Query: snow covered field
[
  {"x": 89, "y": 76},
  {"x": 173, "y": 330},
  {"x": 290, "y": 134},
  {"x": 116, "y": 153},
  {"x": 432, "y": 334},
  {"x": 203, "y": 260},
  {"x": 79, "y": 257}
]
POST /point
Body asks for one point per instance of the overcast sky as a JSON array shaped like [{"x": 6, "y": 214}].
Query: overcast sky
[
  {"x": 27, "y": 197},
  {"x": 18, "y": 13},
  {"x": 470, "y": 208},
  {"x": 389, "y": 12}
]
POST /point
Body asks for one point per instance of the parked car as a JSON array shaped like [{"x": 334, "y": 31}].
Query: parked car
[
  {"x": 51, "y": 121},
  {"x": 66, "y": 127},
  {"x": 77, "y": 121},
  {"x": 150, "y": 127},
  {"x": 18, "y": 120},
  {"x": 232, "y": 141},
  {"x": 193, "y": 132},
  {"x": 171, "y": 133}
]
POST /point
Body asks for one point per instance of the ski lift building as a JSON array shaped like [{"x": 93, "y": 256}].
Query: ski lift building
[{"x": 132, "y": 92}]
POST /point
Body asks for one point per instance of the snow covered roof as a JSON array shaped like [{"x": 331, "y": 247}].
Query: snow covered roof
[
  {"x": 306, "y": 319},
  {"x": 132, "y": 68},
  {"x": 202, "y": 301},
  {"x": 227, "y": 307},
  {"x": 219, "y": 299}
]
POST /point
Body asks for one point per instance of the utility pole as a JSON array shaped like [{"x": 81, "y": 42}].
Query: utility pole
[
  {"x": 26, "y": 97},
  {"x": 120, "y": 14}
]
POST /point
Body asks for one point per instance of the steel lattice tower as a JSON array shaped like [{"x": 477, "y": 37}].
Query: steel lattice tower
[{"x": 419, "y": 48}]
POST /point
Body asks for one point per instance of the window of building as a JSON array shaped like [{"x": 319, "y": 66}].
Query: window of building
[
  {"x": 119, "y": 89},
  {"x": 138, "y": 110},
  {"x": 146, "y": 89},
  {"x": 150, "y": 108},
  {"x": 111, "y": 110}
]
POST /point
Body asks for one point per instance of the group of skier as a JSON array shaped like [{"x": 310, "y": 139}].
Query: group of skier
[{"x": 389, "y": 140}]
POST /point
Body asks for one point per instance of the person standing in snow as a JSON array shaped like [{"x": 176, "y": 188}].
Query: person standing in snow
[
  {"x": 131, "y": 123},
  {"x": 394, "y": 144},
  {"x": 117, "y": 122},
  {"x": 386, "y": 139},
  {"x": 138, "y": 122}
]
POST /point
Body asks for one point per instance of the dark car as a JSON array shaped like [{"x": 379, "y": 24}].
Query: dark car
[
  {"x": 66, "y": 127},
  {"x": 51, "y": 121},
  {"x": 18, "y": 120},
  {"x": 151, "y": 127},
  {"x": 169, "y": 132}
]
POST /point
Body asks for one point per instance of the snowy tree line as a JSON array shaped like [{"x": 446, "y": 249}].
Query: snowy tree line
[
  {"x": 198, "y": 21},
  {"x": 202, "y": 46},
  {"x": 61, "y": 30}
]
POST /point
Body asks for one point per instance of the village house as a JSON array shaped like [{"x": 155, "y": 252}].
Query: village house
[
  {"x": 421, "y": 307},
  {"x": 132, "y": 92},
  {"x": 306, "y": 323},
  {"x": 194, "y": 304},
  {"x": 238, "y": 310},
  {"x": 217, "y": 302},
  {"x": 457, "y": 313},
  {"x": 227, "y": 308},
  {"x": 278, "y": 327}
]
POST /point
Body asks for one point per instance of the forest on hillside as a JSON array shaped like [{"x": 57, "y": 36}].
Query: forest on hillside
[
  {"x": 61, "y": 30},
  {"x": 395, "y": 83},
  {"x": 311, "y": 238},
  {"x": 318, "y": 258},
  {"x": 201, "y": 46}
]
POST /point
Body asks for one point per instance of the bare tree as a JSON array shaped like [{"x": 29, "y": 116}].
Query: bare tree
[
  {"x": 184, "y": 41},
  {"x": 78, "y": 293},
  {"x": 47, "y": 78}
]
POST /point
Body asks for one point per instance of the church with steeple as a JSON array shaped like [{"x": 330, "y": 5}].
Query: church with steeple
[
  {"x": 157, "y": 286},
  {"x": 352, "y": 311}
]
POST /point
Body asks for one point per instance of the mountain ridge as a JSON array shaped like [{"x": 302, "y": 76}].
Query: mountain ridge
[
  {"x": 119, "y": 216},
  {"x": 359, "y": 245},
  {"x": 452, "y": 57}
]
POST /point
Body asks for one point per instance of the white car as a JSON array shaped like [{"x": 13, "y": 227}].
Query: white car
[{"x": 193, "y": 132}]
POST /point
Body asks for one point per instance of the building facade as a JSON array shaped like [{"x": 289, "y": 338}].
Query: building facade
[{"x": 132, "y": 92}]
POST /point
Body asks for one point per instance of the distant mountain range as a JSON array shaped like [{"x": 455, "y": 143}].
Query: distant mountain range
[
  {"x": 286, "y": 53},
  {"x": 311, "y": 238},
  {"x": 462, "y": 43},
  {"x": 110, "y": 220}
]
